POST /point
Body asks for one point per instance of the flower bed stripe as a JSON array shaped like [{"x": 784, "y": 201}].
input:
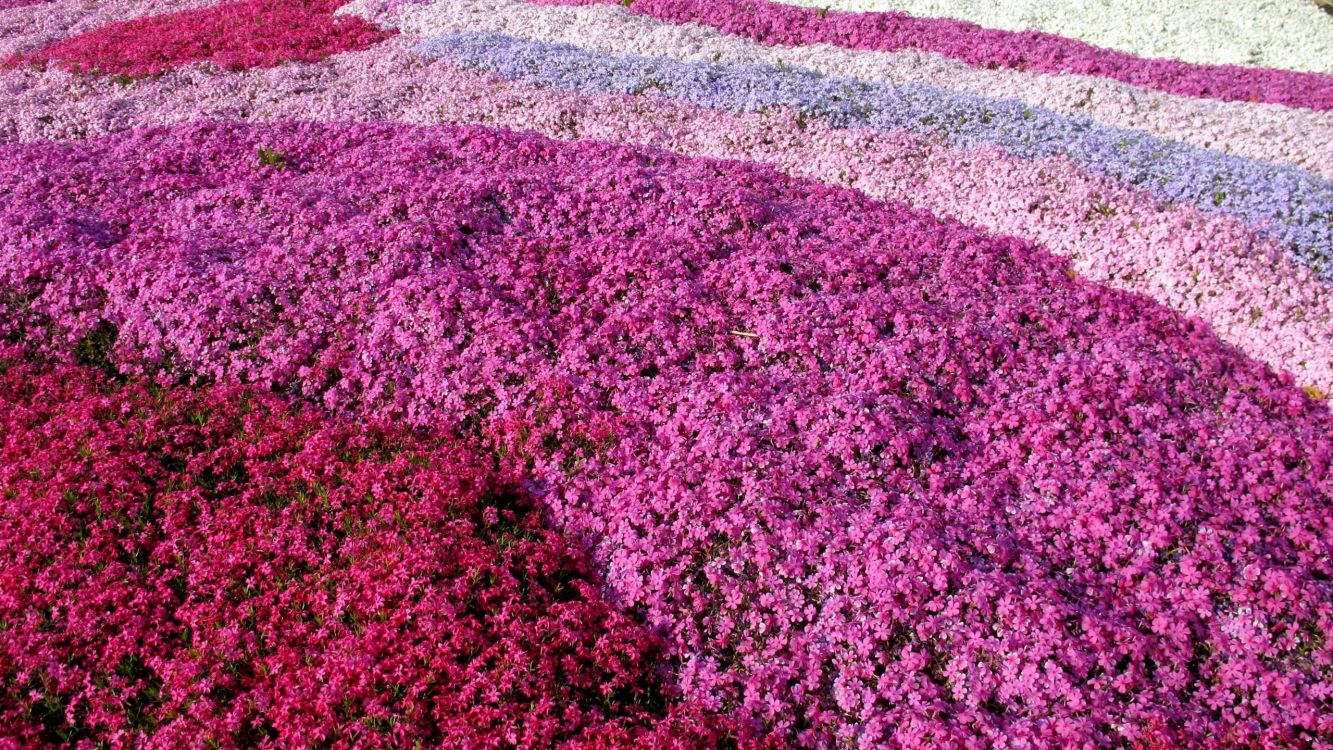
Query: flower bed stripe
[
  {"x": 1294, "y": 137},
  {"x": 233, "y": 35},
  {"x": 1292, "y": 206},
  {"x": 1199, "y": 264},
  {"x": 803, "y": 427},
  {"x": 1288, "y": 35},
  {"x": 773, "y": 23},
  {"x": 28, "y": 27}
]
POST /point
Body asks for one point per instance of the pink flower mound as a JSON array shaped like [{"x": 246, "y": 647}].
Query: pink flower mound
[
  {"x": 212, "y": 568},
  {"x": 7, "y": 4},
  {"x": 775, "y": 23},
  {"x": 880, "y": 479},
  {"x": 238, "y": 35}
]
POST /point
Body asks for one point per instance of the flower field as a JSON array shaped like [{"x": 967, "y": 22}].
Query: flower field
[{"x": 666, "y": 374}]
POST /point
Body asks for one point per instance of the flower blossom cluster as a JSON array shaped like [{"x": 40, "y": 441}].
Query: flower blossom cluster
[
  {"x": 773, "y": 22},
  {"x": 234, "y": 35},
  {"x": 213, "y": 567},
  {"x": 879, "y": 479}
]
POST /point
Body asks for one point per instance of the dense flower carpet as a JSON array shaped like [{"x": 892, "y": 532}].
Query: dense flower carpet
[{"x": 666, "y": 374}]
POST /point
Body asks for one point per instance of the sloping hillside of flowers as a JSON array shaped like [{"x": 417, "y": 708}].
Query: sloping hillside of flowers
[{"x": 665, "y": 373}]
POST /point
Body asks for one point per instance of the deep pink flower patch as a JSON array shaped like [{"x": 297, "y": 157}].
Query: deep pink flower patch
[
  {"x": 246, "y": 34},
  {"x": 190, "y": 568}
]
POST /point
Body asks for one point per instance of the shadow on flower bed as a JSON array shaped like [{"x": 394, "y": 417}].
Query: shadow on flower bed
[
  {"x": 235, "y": 36},
  {"x": 879, "y": 479},
  {"x": 181, "y": 565}
]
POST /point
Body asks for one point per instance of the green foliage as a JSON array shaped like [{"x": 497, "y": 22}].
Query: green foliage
[{"x": 272, "y": 158}]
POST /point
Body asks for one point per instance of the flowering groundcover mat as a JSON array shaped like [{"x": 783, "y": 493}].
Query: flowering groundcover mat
[{"x": 447, "y": 373}]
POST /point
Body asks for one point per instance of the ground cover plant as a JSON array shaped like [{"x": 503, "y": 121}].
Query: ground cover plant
[
  {"x": 215, "y": 566},
  {"x": 666, "y": 373}
]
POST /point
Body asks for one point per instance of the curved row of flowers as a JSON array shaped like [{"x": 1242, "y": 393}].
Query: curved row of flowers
[
  {"x": 1292, "y": 35},
  {"x": 772, "y": 22},
  {"x": 1292, "y": 206},
  {"x": 1294, "y": 137},
  {"x": 28, "y": 26},
  {"x": 874, "y": 477}
]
